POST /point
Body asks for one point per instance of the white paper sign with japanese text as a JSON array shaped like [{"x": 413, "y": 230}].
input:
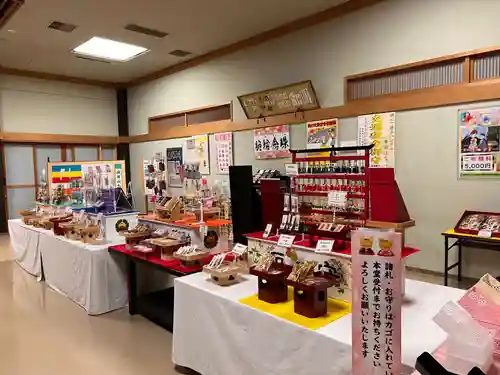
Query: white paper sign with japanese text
[
  {"x": 286, "y": 240},
  {"x": 376, "y": 302}
]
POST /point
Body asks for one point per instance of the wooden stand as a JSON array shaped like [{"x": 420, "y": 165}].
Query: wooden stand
[
  {"x": 272, "y": 287},
  {"x": 208, "y": 214},
  {"x": 172, "y": 210},
  {"x": 133, "y": 239},
  {"x": 311, "y": 300},
  {"x": 164, "y": 248}
]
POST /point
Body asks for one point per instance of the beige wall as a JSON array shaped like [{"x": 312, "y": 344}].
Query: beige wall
[
  {"x": 30, "y": 105},
  {"x": 391, "y": 33}
]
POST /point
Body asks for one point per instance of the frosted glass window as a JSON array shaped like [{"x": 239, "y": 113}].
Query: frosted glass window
[
  {"x": 43, "y": 153},
  {"x": 19, "y": 164},
  {"x": 108, "y": 153},
  {"x": 86, "y": 153},
  {"x": 19, "y": 199}
]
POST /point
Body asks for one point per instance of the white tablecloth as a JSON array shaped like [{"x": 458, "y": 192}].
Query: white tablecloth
[
  {"x": 214, "y": 334},
  {"x": 24, "y": 243},
  {"x": 87, "y": 274}
]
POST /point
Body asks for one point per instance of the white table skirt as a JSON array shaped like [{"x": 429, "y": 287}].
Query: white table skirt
[
  {"x": 86, "y": 274},
  {"x": 214, "y": 334},
  {"x": 24, "y": 243}
]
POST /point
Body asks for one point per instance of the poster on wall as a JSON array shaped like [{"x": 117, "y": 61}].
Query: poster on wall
[
  {"x": 376, "y": 302},
  {"x": 174, "y": 162},
  {"x": 379, "y": 129},
  {"x": 322, "y": 134},
  {"x": 224, "y": 151},
  {"x": 272, "y": 142},
  {"x": 479, "y": 137},
  {"x": 196, "y": 151}
]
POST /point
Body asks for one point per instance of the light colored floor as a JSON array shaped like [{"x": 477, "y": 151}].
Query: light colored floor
[{"x": 44, "y": 333}]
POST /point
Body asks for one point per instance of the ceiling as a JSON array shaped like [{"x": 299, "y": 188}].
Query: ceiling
[{"x": 197, "y": 26}]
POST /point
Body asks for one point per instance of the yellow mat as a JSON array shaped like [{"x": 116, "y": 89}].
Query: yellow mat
[{"x": 336, "y": 310}]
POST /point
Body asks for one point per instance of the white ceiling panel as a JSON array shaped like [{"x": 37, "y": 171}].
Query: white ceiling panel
[{"x": 197, "y": 26}]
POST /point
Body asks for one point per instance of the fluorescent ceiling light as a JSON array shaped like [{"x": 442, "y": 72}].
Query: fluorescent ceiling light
[{"x": 108, "y": 49}]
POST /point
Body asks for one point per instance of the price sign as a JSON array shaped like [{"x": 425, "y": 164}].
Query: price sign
[
  {"x": 479, "y": 163},
  {"x": 337, "y": 198},
  {"x": 203, "y": 231},
  {"x": 291, "y": 169},
  {"x": 286, "y": 240},
  {"x": 240, "y": 249},
  {"x": 484, "y": 233},
  {"x": 324, "y": 246},
  {"x": 269, "y": 227}
]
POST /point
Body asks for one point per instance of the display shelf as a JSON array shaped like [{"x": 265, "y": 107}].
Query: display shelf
[
  {"x": 338, "y": 213},
  {"x": 333, "y": 176},
  {"x": 325, "y": 194},
  {"x": 329, "y": 158}
]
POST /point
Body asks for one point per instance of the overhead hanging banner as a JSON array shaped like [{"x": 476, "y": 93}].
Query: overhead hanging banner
[
  {"x": 479, "y": 137},
  {"x": 272, "y": 142},
  {"x": 376, "y": 302},
  {"x": 322, "y": 134},
  {"x": 224, "y": 152},
  {"x": 379, "y": 129}
]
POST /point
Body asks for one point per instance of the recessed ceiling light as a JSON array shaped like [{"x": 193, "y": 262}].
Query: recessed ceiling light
[
  {"x": 109, "y": 49},
  {"x": 11, "y": 31}
]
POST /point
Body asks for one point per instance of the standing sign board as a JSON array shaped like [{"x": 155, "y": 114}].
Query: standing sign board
[{"x": 376, "y": 302}]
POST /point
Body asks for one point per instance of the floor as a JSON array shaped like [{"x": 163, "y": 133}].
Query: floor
[{"x": 42, "y": 332}]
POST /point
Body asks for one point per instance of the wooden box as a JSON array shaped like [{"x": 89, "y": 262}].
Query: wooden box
[
  {"x": 226, "y": 274},
  {"x": 310, "y": 297},
  {"x": 192, "y": 260},
  {"x": 272, "y": 286}
]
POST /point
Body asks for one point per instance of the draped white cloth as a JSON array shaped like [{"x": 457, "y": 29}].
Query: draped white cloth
[
  {"x": 86, "y": 274},
  {"x": 214, "y": 334},
  {"x": 24, "y": 244}
]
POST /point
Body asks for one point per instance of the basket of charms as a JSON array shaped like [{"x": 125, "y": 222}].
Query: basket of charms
[{"x": 221, "y": 271}]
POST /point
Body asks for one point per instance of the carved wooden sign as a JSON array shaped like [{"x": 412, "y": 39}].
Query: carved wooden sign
[{"x": 277, "y": 101}]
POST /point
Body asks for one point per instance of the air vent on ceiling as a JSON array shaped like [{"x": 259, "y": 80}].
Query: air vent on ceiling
[
  {"x": 180, "y": 53},
  {"x": 61, "y": 26},
  {"x": 145, "y": 30},
  {"x": 92, "y": 59}
]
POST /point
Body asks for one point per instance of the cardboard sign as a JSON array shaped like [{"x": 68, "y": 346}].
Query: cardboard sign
[
  {"x": 286, "y": 240},
  {"x": 376, "y": 302},
  {"x": 324, "y": 246}
]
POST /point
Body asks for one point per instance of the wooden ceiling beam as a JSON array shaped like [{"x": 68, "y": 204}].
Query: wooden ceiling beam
[
  {"x": 58, "y": 77},
  {"x": 9, "y": 8},
  {"x": 337, "y": 11}
]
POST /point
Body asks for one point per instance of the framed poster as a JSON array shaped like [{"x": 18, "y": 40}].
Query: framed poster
[
  {"x": 196, "y": 151},
  {"x": 376, "y": 302},
  {"x": 272, "y": 142},
  {"x": 479, "y": 139},
  {"x": 280, "y": 100},
  {"x": 224, "y": 151},
  {"x": 379, "y": 129},
  {"x": 322, "y": 134},
  {"x": 174, "y": 162}
]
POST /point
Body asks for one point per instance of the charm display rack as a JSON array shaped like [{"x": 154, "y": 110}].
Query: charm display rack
[{"x": 345, "y": 169}]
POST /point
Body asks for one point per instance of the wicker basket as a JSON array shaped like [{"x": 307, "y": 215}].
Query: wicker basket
[{"x": 224, "y": 275}]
